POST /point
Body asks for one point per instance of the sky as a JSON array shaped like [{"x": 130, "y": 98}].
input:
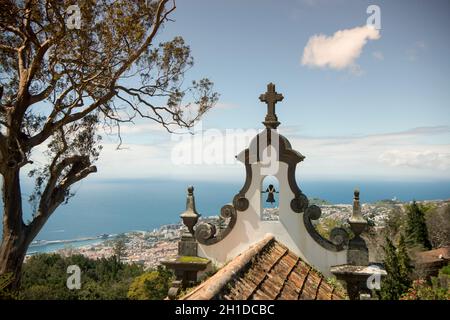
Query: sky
[{"x": 359, "y": 102}]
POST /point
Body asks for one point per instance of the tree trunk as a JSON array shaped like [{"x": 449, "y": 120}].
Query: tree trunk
[
  {"x": 12, "y": 254},
  {"x": 14, "y": 241}
]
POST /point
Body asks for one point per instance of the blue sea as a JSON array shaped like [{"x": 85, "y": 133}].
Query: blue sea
[{"x": 117, "y": 206}]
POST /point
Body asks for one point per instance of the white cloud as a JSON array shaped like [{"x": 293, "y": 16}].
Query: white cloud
[
  {"x": 396, "y": 155},
  {"x": 138, "y": 128},
  {"x": 403, "y": 154},
  {"x": 131, "y": 161},
  {"x": 340, "y": 50},
  {"x": 225, "y": 106},
  {"x": 409, "y": 154},
  {"x": 427, "y": 159}
]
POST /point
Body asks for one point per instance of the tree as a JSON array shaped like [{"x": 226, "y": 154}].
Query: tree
[
  {"x": 437, "y": 288},
  {"x": 5, "y": 280},
  {"x": 438, "y": 223},
  {"x": 404, "y": 261},
  {"x": 119, "y": 248},
  {"x": 44, "y": 277},
  {"x": 158, "y": 287},
  {"x": 394, "y": 222},
  {"x": 60, "y": 84},
  {"x": 153, "y": 285},
  {"x": 398, "y": 268},
  {"x": 416, "y": 228}
]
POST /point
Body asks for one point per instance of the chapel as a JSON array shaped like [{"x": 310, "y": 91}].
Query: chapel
[{"x": 258, "y": 258}]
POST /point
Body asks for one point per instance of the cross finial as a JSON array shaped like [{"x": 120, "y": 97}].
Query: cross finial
[{"x": 271, "y": 97}]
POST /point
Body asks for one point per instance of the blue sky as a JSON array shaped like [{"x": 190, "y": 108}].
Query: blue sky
[
  {"x": 242, "y": 45},
  {"x": 383, "y": 114}
]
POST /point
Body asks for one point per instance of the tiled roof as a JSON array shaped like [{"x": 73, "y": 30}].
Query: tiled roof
[
  {"x": 265, "y": 271},
  {"x": 430, "y": 256}
]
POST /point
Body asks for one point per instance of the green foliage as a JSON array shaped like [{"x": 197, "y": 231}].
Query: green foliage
[
  {"x": 159, "y": 286},
  {"x": 394, "y": 222},
  {"x": 60, "y": 86},
  {"x": 421, "y": 290},
  {"x": 5, "y": 281},
  {"x": 404, "y": 261},
  {"x": 152, "y": 285},
  {"x": 44, "y": 278},
  {"x": 384, "y": 202},
  {"x": 337, "y": 285},
  {"x": 445, "y": 270},
  {"x": 398, "y": 268},
  {"x": 390, "y": 288},
  {"x": 326, "y": 225},
  {"x": 416, "y": 228},
  {"x": 119, "y": 247}
]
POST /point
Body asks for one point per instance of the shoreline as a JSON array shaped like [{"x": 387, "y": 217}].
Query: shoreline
[
  {"x": 52, "y": 246},
  {"x": 165, "y": 233}
]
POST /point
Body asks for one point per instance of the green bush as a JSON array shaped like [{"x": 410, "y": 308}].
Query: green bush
[
  {"x": 398, "y": 268},
  {"x": 445, "y": 270},
  {"x": 416, "y": 227},
  {"x": 152, "y": 285},
  {"x": 437, "y": 289},
  {"x": 421, "y": 290},
  {"x": 44, "y": 277}
]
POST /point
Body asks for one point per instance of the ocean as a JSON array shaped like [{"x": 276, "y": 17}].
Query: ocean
[{"x": 117, "y": 206}]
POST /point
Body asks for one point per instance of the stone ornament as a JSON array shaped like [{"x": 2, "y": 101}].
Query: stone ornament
[
  {"x": 207, "y": 233},
  {"x": 338, "y": 236}
]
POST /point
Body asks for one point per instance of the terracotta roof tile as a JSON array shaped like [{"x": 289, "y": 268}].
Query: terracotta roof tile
[
  {"x": 433, "y": 255},
  {"x": 266, "y": 271}
]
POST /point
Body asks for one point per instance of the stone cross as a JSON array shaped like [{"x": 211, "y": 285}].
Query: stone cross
[{"x": 271, "y": 97}]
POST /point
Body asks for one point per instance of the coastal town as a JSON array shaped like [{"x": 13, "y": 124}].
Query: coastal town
[{"x": 148, "y": 248}]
